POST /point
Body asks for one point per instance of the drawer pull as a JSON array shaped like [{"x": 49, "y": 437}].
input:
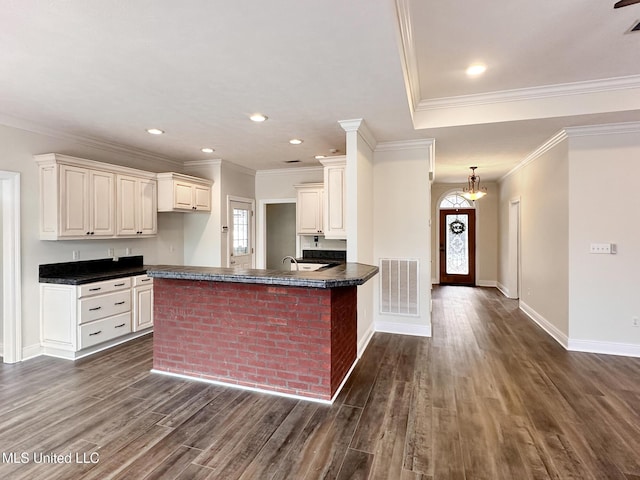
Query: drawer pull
[
  {"x": 94, "y": 309},
  {"x": 95, "y": 333},
  {"x": 119, "y": 285},
  {"x": 145, "y": 280},
  {"x": 120, "y": 326},
  {"x": 95, "y": 289},
  {"x": 119, "y": 303}
]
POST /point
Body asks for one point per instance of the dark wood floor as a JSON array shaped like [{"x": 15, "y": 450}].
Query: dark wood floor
[{"x": 490, "y": 396}]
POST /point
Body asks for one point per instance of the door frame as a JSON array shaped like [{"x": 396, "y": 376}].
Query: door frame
[
  {"x": 252, "y": 226},
  {"x": 261, "y": 227},
  {"x": 513, "y": 250},
  {"x": 472, "y": 238},
  {"x": 11, "y": 268}
]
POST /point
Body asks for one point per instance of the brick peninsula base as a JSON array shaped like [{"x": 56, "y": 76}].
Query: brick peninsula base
[{"x": 286, "y": 339}]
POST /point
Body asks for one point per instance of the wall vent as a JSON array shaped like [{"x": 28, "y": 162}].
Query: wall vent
[{"x": 399, "y": 289}]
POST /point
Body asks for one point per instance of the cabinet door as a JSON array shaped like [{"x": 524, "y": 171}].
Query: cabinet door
[
  {"x": 148, "y": 207},
  {"x": 309, "y": 211},
  {"x": 334, "y": 202},
  {"x": 202, "y": 198},
  {"x": 182, "y": 195},
  {"x": 74, "y": 201},
  {"x": 126, "y": 210},
  {"x": 143, "y": 308},
  {"x": 102, "y": 198}
]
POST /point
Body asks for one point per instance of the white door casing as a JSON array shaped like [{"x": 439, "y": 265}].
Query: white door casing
[{"x": 241, "y": 232}]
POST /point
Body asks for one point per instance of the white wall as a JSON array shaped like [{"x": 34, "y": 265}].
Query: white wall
[
  {"x": 486, "y": 232},
  {"x": 543, "y": 187},
  {"x": 402, "y": 209},
  {"x": 17, "y": 148},
  {"x": 604, "y": 205},
  {"x": 204, "y": 242}
]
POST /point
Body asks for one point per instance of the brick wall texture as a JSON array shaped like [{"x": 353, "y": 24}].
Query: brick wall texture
[{"x": 294, "y": 340}]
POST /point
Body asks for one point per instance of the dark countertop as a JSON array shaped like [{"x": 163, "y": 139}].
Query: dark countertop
[
  {"x": 89, "y": 271},
  {"x": 343, "y": 275}
]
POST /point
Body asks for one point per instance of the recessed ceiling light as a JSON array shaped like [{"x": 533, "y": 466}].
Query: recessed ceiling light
[
  {"x": 295, "y": 141},
  {"x": 207, "y": 150},
  {"x": 476, "y": 69},
  {"x": 258, "y": 117},
  {"x": 155, "y": 131}
]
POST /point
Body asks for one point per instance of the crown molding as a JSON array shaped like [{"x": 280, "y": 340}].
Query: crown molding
[
  {"x": 215, "y": 162},
  {"x": 607, "y": 129},
  {"x": 405, "y": 145},
  {"x": 359, "y": 125},
  {"x": 532, "y": 93},
  {"x": 288, "y": 171},
  {"x": 100, "y": 144},
  {"x": 537, "y": 153},
  {"x": 408, "y": 57}
]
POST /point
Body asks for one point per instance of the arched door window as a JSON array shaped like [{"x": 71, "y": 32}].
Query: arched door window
[{"x": 457, "y": 240}]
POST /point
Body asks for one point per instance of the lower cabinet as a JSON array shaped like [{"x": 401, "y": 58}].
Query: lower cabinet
[{"x": 76, "y": 320}]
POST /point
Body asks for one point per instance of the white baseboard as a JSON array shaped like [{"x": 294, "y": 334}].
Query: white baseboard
[
  {"x": 547, "y": 326},
  {"x": 31, "y": 351},
  {"x": 364, "y": 342},
  {"x": 607, "y": 348},
  {"x": 503, "y": 289},
  {"x": 487, "y": 283},
  {"x": 404, "y": 329},
  {"x": 435, "y": 281}
]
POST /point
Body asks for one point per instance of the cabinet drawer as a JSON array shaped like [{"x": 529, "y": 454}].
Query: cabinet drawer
[
  {"x": 107, "y": 286},
  {"x": 103, "y": 330},
  {"x": 94, "y": 308},
  {"x": 141, "y": 280}
]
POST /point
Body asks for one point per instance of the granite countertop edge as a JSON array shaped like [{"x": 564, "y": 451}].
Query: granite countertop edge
[
  {"x": 343, "y": 275},
  {"x": 82, "y": 279}
]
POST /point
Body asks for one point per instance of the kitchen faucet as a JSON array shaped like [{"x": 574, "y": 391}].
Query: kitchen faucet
[{"x": 293, "y": 260}]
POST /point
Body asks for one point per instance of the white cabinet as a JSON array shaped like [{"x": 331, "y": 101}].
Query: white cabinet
[
  {"x": 335, "y": 191},
  {"x": 82, "y": 199},
  {"x": 142, "y": 302},
  {"x": 183, "y": 193},
  {"x": 82, "y": 202},
  {"x": 76, "y": 320},
  {"x": 136, "y": 201},
  {"x": 309, "y": 206}
]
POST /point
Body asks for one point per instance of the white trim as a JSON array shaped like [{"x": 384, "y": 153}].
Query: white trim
[
  {"x": 71, "y": 355},
  {"x": 537, "y": 153},
  {"x": 487, "y": 283},
  {"x": 31, "y": 351},
  {"x": 607, "y": 348},
  {"x": 54, "y": 158},
  {"x": 404, "y": 329},
  {"x": 547, "y": 326},
  {"x": 608, "y": 129},
  {"x": 149, "y": 157},
  {"x": 532, "y": 93},
  {"x": 364, "y": 342},
  {"x": 405, "y": 145},
  {"x": 503, "y": 289},
  {"x": 435, "y": 281},
  {"x": 252, "y": 202},
  {"x": 408, "y": 56},
  {"x": 214, "y": 162},
  {"x": 11, "y": 268},
  {"x": 358, "y": 125},
  {"x": 261, "y": 390},
  {"x": 288, "y": 171}
]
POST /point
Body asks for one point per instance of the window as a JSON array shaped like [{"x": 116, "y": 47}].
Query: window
[
  {"x": 455, "y": 200},
  {"x": 240, "y": 231}
]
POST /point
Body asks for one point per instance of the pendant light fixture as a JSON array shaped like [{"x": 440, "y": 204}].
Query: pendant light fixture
[{"x": 474, "y": 191}]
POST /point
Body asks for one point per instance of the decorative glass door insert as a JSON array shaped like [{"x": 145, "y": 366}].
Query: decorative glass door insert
[{"x": 457, "y": 246}]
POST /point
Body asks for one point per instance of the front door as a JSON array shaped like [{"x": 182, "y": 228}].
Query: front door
[
  {"x": 457, "y": 247},
  {"x": 241, "y": 242}
]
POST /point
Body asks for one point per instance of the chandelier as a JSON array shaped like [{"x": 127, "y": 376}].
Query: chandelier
[{"x": 474, "y": 191}]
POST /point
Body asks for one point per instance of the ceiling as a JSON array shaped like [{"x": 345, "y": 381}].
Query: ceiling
[{"x": 107, "y": 71}]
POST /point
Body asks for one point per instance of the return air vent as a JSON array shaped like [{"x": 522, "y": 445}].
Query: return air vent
[
  {"x": 399, "y": 286},
  {"x": 635, "y": 27}
]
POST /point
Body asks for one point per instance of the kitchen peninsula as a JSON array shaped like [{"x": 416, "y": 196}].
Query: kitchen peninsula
[{"x": 287, "y": 332}]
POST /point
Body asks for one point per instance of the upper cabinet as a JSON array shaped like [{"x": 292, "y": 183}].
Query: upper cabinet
[
  {"x": 82, "y": 199},
  {"x": 309, "y": 209},
  {"x": 183, "y": 193},
  {"x": 137, "y": 202},
  {"x": 335, "y": 192}
]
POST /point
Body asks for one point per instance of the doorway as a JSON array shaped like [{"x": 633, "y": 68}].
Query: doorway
[
  {"x": 457, "y": 246},
  {"x": 241, "y": 233},
  {"x": 281, "y": 234}
]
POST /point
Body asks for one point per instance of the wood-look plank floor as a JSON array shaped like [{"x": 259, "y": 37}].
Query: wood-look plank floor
[{"x": 489, "y": 396}]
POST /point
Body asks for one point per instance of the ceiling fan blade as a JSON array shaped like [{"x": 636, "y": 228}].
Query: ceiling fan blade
[{"x": 624, "y": 3}]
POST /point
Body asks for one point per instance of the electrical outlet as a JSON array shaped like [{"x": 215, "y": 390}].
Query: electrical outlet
[
  {"x": 76, "y": 254},
  {"x": 127, "y": 251},
  {"x": 111, "y": 252},
  {"x": 635, "y": 322}
]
